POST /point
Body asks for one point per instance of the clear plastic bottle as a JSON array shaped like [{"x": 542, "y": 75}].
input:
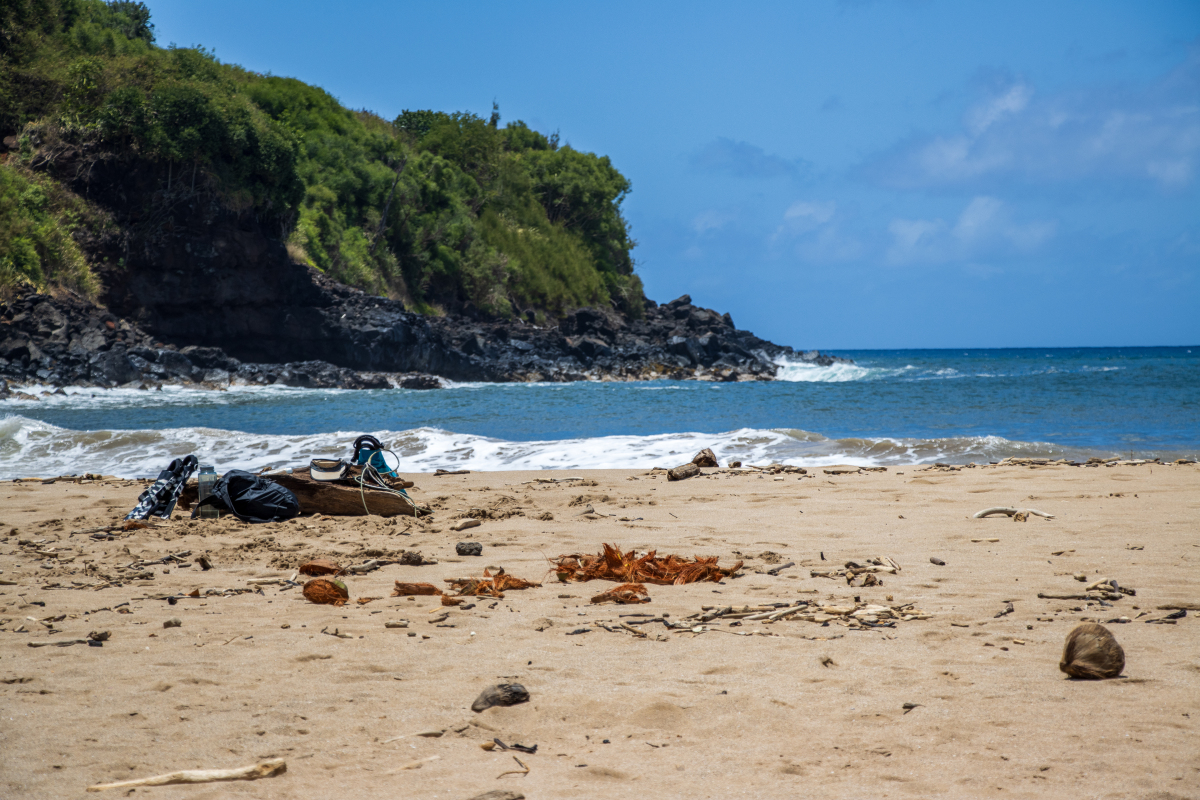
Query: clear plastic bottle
[{"x": 206, "y": 480}]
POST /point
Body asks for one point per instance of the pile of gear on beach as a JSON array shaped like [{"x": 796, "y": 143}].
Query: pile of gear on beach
[{"x": 367, "y": 479}]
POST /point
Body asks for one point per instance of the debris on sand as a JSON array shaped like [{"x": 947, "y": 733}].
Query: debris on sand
[
  {"x": 323, "y": 590},
  {"x": 705, "y": 458},
  {"x": 861, "y": 574},
  {"x": 321, "y": 566},
  {"x": 266, "y": 769},
  {"x": 684, "y": 472},
  {"x": 626, "y": 593},
  {"x": 1016, "y": 513},
  {"x": 502, "y": 694},
  {"x": 1092, "y": 652},
  {"x": 409, "y": 589},
  {"x": 854, "y": 615},
  {"x": 613, "y": 565},
  {"x": 489, "y": 585}
]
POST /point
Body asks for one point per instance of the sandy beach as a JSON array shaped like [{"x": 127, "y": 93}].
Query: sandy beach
[{"x": 715, "y": 710}]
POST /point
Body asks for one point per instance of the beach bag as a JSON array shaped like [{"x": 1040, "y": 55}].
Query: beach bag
[
  {"x": 250, "y": 498},
  {"x": 159, "y": 500}
]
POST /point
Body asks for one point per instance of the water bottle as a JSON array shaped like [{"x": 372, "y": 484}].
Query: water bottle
[{"x": 206, "y": 481}]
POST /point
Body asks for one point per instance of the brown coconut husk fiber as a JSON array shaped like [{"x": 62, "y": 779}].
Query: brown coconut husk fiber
[
  {"x": 321, "y": 590},
  {"x": 1092, "y": 652}
]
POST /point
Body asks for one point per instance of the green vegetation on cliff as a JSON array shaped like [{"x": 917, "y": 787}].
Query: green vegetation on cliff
[{"x": 444, "y": 211}]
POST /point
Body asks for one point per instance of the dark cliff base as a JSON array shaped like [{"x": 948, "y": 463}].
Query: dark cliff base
[
  {"x": 371, "y": 343},
  {"x": 193, "y": 292}
]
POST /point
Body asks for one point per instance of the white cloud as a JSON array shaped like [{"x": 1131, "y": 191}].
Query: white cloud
[
  {"x": 1149, "y": 133},
  {"x": 1012, "y": 101},
  {"x": 811, "y": 230},
  {"x": 985, "y": 227},
  {"x": 809, "y": 215},
  {"x": 912, "y": 235},
  {"x": 977, "y": 218},
  {"x": 711, "y": 220}
]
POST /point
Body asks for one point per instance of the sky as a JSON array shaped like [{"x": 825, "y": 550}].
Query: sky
[{"x": 836, "y": 175}]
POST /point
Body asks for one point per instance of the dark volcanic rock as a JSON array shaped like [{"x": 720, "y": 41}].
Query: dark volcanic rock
[
  {"x": 84, "y": 346},
  {"x": 363, "y": 342}
]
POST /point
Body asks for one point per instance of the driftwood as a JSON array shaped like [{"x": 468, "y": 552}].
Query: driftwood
[
  {"x": 1009, "y": 511},
  {"x": 683, "y": 472},
  {"x": 705, "y": 458},
  {"x": 266, "y": 769},
  {"x": 1091, "y": 597},
  {"x": 340, "y": 499}
]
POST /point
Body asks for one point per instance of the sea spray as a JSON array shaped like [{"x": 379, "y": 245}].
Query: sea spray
[{"x": 32, "y": 448}]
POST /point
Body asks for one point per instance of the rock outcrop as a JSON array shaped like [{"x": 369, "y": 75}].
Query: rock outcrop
[{"x": 362, "y": 342}]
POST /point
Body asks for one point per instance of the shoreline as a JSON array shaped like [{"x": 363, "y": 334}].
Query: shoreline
[
  {"x": 769, "y": 708},
  {"x": 48, "y": 445}
]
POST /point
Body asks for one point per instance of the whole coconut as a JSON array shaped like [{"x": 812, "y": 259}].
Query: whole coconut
[
  {"x": 322, "y": 590},
  {"x": 1092, "y": 652}
]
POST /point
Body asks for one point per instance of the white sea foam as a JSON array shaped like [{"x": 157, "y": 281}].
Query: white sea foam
[
  {"x": 32, "y": 448},
  {"x": 795, "y": 371},
  {"x": 168, "y": 396}
]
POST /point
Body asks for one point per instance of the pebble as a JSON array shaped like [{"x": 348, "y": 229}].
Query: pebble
[{"x": 173, "y": 622}]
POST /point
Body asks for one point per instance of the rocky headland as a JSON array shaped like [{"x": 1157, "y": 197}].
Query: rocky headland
[
  {"x": 348, "y": 339},
  {"x": 194, "y": 291}
]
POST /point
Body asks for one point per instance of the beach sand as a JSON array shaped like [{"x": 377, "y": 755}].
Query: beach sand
[{"x": 794, "y": 708}]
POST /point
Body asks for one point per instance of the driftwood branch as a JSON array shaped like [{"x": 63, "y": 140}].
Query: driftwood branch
[
  {"x": 1010, "y": 511},
  {"x": 266, "y": 769}
]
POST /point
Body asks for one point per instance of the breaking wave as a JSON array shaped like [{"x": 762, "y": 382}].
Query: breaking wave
[{"x": 31, "y": 448}]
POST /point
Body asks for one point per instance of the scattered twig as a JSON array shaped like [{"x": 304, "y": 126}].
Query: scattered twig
[{"x": 523, "y": 771}]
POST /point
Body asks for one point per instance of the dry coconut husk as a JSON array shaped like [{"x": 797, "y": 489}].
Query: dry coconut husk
[
  {"x": 409, "y": 589},
  {"x": 626, "y": 594},
  {"x": 1092, "y": 652},
  {"x": 322, "y": 590},
  {"x": 613, "y": 565},
  {"x": 321, "y": 566},
  {"x": 489, "y": 585}
]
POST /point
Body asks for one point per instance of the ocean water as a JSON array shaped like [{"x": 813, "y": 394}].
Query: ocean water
[{"x": 890, "y": 407}]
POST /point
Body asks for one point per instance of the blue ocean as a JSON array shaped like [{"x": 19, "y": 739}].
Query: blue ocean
[{"x": 889, "y": 407}]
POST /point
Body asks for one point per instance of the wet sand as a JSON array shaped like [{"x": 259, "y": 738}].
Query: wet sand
[{"x": 794, "y": 708}]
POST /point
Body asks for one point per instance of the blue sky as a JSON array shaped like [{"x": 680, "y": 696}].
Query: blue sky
[{"x": 838, "y": 175}]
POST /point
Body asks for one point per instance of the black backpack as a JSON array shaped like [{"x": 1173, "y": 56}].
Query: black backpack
[{"x": 250, "y": 498}]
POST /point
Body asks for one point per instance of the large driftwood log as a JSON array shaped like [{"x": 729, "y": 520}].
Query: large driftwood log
[
  {"x": 324, "y": 497},
  {"x": 683, "y": 472}
]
